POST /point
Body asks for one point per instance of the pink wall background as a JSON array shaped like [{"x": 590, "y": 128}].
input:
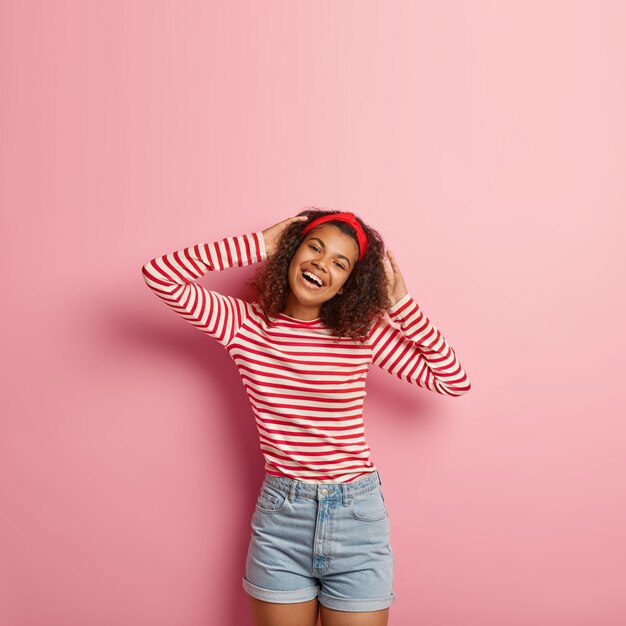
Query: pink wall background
[{"x": 487, "y": 143}]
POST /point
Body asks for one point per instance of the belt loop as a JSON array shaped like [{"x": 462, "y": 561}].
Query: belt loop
[
  {"x": 344, "y": 493},
  {"x": 292, "y": 491}
]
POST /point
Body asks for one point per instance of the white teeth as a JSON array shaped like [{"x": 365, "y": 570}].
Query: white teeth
[{"x": 314, "y": 277}]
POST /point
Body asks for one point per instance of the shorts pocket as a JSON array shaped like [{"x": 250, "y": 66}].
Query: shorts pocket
[
  {"x": 369, "y": 506},
  {"x": 271, "y": 499}
]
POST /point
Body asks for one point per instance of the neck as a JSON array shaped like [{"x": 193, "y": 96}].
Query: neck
[{"x": 299, "y": 311}]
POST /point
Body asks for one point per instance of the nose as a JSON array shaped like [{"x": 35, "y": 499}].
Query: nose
[{"x": 320, "y": 265}]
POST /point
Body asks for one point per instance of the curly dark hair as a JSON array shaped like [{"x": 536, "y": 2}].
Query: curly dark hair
[{"x": 349, "y": 314}]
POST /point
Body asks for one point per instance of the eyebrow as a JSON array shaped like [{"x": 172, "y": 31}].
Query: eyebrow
[{"x": 341, "y": 256}]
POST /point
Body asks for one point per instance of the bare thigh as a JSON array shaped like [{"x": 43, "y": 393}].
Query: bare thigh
[
  {"x": 279, "y": 614},
  {"x": 330, "y": 617}
]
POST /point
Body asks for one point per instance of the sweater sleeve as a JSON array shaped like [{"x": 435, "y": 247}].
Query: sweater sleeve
[
  {"x": 171, "y": 277},
  {"x": 417, "y": 352}
]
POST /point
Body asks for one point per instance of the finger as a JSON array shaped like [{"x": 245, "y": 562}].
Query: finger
[
  {"x": 296, "y": 218},
  {"x": 393, "y": 261}
]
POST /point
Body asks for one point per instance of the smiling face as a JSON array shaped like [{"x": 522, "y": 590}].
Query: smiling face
[{"x": 328, "y": 254}]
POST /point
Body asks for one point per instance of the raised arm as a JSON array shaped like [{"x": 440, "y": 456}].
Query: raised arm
[
  {"x": 171, "y": 277},
  {"x": 417, "y": 352}
]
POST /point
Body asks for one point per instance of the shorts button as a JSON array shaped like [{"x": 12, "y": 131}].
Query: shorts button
[{"x": 324, "y": 491}]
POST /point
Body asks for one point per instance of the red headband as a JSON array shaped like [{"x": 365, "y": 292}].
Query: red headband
[{"x": 347, "y": 217}]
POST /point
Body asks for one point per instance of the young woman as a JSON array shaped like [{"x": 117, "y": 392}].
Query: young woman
[{"x": 303, "y": 346}]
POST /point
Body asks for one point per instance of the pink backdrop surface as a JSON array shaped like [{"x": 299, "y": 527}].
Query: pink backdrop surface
[{"x": 485, "y": 141}]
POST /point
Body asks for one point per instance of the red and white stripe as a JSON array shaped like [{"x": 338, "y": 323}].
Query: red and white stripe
[{"x": 305, "y": 385}]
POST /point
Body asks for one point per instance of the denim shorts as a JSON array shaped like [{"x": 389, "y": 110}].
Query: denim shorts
[{"x": 330, "y": 540}]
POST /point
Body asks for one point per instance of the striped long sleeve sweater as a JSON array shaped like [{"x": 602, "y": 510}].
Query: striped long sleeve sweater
[{"x": 305, "y": 385}]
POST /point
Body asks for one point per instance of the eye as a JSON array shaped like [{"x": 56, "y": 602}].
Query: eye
[
  {"x": 314, "y": 248},
  {"x": 340, "y": 265}
]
